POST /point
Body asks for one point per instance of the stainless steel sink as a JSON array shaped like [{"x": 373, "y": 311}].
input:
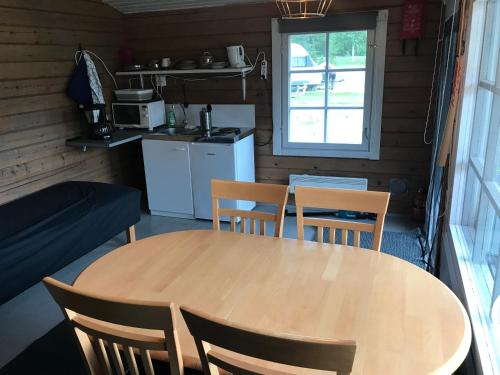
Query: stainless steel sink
[
  {"x": 174, "y": 131},
  {"x": 180, "y": 131}
]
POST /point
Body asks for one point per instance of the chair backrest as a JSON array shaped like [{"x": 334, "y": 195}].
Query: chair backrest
[
  {"x": 342, "y": 199},
  {"x": 90, "y": 316},
  {"x": 312, "y": 353},
  {"x": 250, "y": 191}
]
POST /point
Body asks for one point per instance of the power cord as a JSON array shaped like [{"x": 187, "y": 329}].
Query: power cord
[
  {"x": 438, "y": 41},
  {"x": 79, "y": 54}
]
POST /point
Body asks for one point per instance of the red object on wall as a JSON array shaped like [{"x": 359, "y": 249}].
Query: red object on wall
[
  {"x": 412, "y": 20},
  {"x": 126, "y": 56}
]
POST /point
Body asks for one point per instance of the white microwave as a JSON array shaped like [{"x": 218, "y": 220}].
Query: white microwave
[{"x": 142, "y": 115}]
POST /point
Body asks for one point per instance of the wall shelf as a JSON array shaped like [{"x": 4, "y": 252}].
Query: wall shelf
[
  {"x": 120, "y": 137},
  {"x": 188, "y": 72}
]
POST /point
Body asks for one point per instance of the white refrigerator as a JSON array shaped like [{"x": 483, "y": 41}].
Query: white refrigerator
[{"x": 220, "y": 161}]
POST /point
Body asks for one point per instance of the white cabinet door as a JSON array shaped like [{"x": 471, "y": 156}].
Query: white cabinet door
[
  {"x": 168, "y": 177},
  {"x": 208, "y": 161}
]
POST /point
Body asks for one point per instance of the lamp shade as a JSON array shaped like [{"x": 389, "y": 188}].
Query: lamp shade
[{"x": 303, "y": 8}]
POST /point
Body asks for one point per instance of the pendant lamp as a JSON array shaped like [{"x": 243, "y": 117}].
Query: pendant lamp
[{"x": 290, "y": 9}]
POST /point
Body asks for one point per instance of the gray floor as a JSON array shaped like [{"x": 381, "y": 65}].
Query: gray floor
[{"x": 32, "y": 314}]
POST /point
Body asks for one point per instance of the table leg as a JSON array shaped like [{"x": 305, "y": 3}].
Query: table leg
[{"x": 131, "y": 234}]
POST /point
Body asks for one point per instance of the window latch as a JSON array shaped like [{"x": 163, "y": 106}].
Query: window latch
[
  {"x": 372, "y": 45},
  {"x": 365, "y": 133}
]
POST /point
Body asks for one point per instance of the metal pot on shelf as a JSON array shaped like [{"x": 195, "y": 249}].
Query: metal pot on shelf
[{"x": 206, "y": 59}]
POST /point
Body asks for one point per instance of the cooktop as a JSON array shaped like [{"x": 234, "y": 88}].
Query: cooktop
[{"x": 221, "y": 135}]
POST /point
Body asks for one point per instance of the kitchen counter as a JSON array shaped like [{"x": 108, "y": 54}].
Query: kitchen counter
[
  {"x": 194, "y": 135},
  {"x": 122, "y": 136}
]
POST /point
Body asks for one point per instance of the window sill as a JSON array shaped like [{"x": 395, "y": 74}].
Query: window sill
[
  {"x": 485, "y": 356},
  {"x": 350, "y": 154}
]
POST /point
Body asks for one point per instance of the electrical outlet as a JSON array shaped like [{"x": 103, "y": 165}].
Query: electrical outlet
[
  {"x": 263, "y": 69},
  {"x": 161, "y": 81}
]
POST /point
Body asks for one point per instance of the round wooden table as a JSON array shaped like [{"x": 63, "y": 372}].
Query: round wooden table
[{"x": 404, "y": 320}]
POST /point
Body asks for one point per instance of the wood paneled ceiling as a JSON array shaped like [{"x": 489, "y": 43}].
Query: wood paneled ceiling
[{"x": 141, "y": 6}]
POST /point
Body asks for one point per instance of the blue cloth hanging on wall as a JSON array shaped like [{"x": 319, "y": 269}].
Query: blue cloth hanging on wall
[{"x": 79, "y": 86}]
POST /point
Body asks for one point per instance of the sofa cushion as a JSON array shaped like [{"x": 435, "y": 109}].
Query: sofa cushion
[{"x": 49, "y": 229}]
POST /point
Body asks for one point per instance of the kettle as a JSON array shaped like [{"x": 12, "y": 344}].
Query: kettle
[{"x": 236, "y": 56}]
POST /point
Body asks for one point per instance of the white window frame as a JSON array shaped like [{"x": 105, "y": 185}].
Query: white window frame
[
  {"x": 374, "y": 86},
  {"x": 475, "y": 286}
]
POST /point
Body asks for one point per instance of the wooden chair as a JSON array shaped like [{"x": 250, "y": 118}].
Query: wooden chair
[
  {"x": 305, "y": 352},
  {"x": 250, "y": 191},
  {"x": 87, "y": 312},
  {"x": 340, "y": 199}
]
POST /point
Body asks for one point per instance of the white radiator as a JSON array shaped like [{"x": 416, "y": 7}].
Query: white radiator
[{"x": 327, "y": 182}]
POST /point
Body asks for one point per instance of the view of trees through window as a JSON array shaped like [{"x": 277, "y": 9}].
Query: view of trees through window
[
  {"x": 327, "y": 87},
  {"x": 345, "y": 48}
]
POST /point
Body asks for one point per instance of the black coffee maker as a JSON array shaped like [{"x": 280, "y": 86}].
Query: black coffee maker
[{"x": 99, "y": 126}]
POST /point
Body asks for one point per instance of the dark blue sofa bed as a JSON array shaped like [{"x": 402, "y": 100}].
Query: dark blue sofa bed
[{"x": 44, "y": 231}]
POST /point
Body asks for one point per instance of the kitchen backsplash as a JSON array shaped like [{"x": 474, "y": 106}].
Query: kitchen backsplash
[{"x": 223, "y": 115}]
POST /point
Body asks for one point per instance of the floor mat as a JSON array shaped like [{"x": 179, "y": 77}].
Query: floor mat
[
  {"x": 57, "y": 353},
  {"x": 404, "y": 245}
]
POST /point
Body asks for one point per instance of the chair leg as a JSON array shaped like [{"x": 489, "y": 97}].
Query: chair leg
[{"x": 131, "y": 234}]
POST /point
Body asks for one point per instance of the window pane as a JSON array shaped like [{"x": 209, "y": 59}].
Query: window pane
[
  {"x": 481, "y": 123},
  {"x": 306, "y": 90},
  {"x": 491, "y": 43},
  {"x": 492, "y": 238},
  {"x": 486, "y": 249},
  {"x": 497, "y": 165},
  {"x": 471, "y": 201},
  {"x": 494, "y": 173},
  {"x": 345, "y": 126},
  {"x": 307, "y": 51},
  {"x": 346, "y": 89},
  {"x": 347, "y": 50},
  {"x": 307, "y": 126}
]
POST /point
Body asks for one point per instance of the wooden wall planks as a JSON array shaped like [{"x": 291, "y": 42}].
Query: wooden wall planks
[
  {"x": 187, "y": 33},
  {"x": 37, "y": 40},
  {"x": 37, "y": 43}
]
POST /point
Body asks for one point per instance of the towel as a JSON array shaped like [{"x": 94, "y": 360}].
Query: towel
[{"x": 85, "y": 86}]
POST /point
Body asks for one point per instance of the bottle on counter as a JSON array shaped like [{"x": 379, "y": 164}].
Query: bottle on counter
[{"x": 171, "y": 120}]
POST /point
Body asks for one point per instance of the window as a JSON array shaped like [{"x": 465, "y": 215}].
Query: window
[
  {"x": 475, "y": 209},
  {"x": 328, "y": 84}
]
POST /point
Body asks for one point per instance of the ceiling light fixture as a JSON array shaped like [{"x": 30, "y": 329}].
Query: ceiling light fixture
[{"x": 291, "y": 9}]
